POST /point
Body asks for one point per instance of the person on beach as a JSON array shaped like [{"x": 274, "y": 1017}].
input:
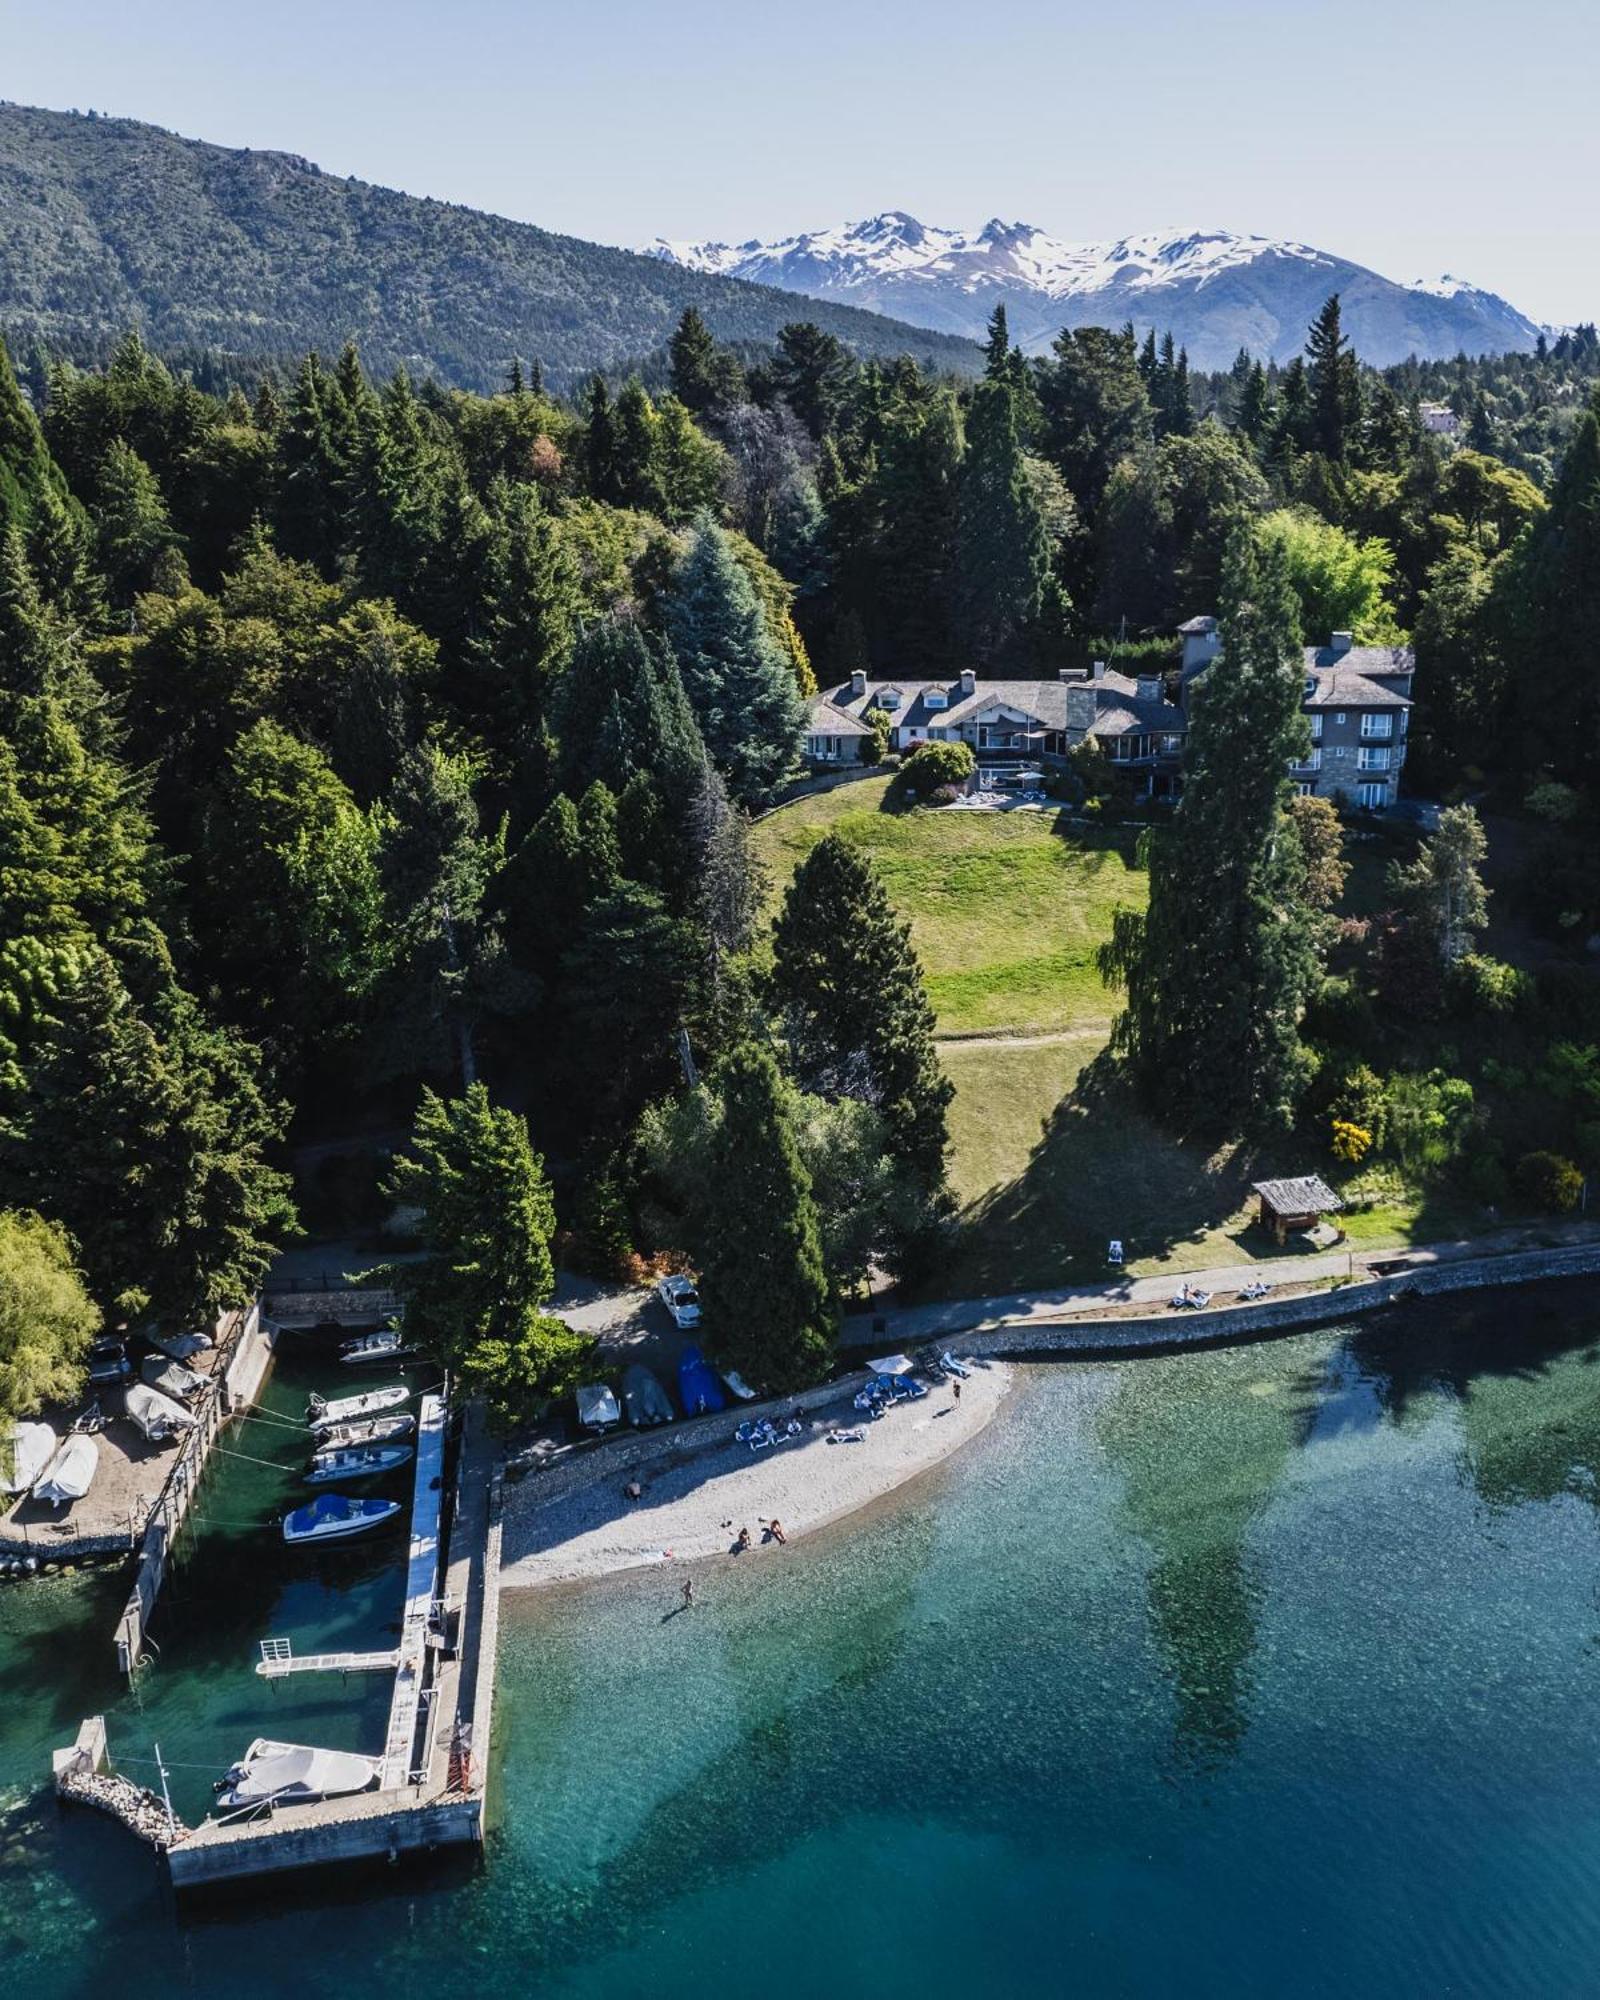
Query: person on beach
[
  {"x": 775, "y": 1532},
  {"x": 633, "y": 1490},
  {"x": 957, "y": 1391},
  {"x": 744, "y": 1539},
  {"x": 688, "y": 1593}
]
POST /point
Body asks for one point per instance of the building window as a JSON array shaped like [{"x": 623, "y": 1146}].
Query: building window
[
  {"x": 1339, "y": 718},
  {"x": 1306, "y": 788},
  {"x": 1370, "y": 796},
  {"x": 1377, "y": 726},
  {"x": 1316, "y": 728},
  {"x": 1373, "y": 759}
]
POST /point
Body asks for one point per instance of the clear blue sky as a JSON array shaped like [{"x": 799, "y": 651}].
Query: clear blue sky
[{"x": 1417, "y": 136}]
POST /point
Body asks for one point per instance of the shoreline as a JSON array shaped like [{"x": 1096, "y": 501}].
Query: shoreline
[{"x": 695, "y": 1502}]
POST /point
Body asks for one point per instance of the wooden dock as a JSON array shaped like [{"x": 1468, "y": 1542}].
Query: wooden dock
[{"x": 276, "y": 1664}]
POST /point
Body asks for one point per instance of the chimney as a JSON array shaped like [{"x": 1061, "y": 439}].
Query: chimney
[
  {"x": 858, "y": 682},
  {"x": 1068, "y": 674},
  {"x": 969, "y": 681},
  {"x": 1341, "y": 642},
  {"x": 1149, "y": 687},
  {"x": 1099, "y": 673}
]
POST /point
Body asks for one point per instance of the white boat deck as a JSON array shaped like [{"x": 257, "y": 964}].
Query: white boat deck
[{"x": 422, "y": 1584}]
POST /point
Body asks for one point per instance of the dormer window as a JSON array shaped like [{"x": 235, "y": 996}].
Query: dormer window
[
  {"x": 889, "y": 698},
  {"x": 1311, "y": 685},
  {"x": 935, "y": 698}
]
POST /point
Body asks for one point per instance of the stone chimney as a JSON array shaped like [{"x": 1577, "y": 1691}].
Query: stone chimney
[
  {"x": 1099, "y": 671},
  {"x": 858, "y": 682},
  {"x": 1341, "y": 642},
  {"x": 969, "y": 682},
  {"x": 1149, "y": 687}
]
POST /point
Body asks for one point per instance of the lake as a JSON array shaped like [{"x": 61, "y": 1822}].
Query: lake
[{"x": 1264, "y": 1670}]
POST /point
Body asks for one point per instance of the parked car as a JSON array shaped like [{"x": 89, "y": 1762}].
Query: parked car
[
  {"x": 108, "y": 1361},
  {"x": 677, "y": 1293}
]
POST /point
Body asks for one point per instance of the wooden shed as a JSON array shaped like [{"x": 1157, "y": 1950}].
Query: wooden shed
[{"x": 1295, "y": 1205}]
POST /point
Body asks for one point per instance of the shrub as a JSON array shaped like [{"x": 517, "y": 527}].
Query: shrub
[
  {"x": 1361, "y": 1099},
  {"x": 1429, "y": 1116},
  {"x": 1551, "y": 1180},
  {"x": 1349, "y": 1143},
  {"x": 1480, "y": 985},
  {"x": 931, "y": 765},
  {"x": 1554, "y": 801}
]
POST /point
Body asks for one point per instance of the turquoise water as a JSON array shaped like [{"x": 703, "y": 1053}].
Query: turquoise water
[{"x": 1272, "y": 1670}]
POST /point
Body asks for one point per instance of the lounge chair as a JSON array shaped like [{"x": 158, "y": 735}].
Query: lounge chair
[{"x": 956, "y": 1367}]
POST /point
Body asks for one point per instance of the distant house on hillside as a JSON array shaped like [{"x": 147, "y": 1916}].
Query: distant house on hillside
[
  {"x": 1358, "y": 702},
  {"x": 1439, "y": 419}
]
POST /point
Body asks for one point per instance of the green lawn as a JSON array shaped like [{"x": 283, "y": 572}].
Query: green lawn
[
  {"x": 1006, "y": 909},
  {"x": 1049, "y": 1159}
]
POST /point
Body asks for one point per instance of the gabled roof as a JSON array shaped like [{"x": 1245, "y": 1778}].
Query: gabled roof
[
  {"x": 1352, "y": 686},
  {"x": 825, "y": 719},
  {"x": 1121, "y": 710},
  {"x": 1310, "y": 1194},
  {"x": 1041, "y": 702}
]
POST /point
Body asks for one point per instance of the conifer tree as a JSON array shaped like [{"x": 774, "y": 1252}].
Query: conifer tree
[
  {"x": 600, "y": 441},
  {"x": 1330, "y": 368},
  {"x": 704, "y": 375},
  {"x": 764, "y": 1289},
  {"x": 135, "y": 527},
  {"x": 738, "y": 682},
  {"x": 619, "y": 708},
  {"x": 848, "y": 986},
  {"x": 997, "y": 348},
  {"x": 1219, "y": 967},
  {"x": 1003, "y": 558}
]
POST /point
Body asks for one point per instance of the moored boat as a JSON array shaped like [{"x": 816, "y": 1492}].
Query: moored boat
[
  {"x": 32, "y": 1447},
  {"x": 388, "y": 1345},
  {"x": 321, "y": 1414},
  {"x": 356, "y": 1461},
  {"x": 294, "y": 1773},
  {"x": 334, "y": 1517},
  {"x": 366, "y": 1430},
  {"x": 70, "y": 1473}
]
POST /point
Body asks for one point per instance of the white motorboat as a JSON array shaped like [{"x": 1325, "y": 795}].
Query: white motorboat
[
  {"x": 335, "y": 1517},
  {"x": 158, "y": 1416},
  {"x": 294, "y": 1774},
  {"x": 170, "y": 1377},
  {"x": 389, "y": 1345},
  {"x": 356, "y": 1461},
  {"x": 322, "y": 1415},
  {"x": 70, "y": 1473},
  {"x": 366, "y": 1430},
  {"x": 32, "y": 1448}
]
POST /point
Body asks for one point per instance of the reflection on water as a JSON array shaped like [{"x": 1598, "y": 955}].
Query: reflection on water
[{"x": 1259, "y": 1671}]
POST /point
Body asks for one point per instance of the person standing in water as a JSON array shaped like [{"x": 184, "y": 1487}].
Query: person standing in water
[{"x": 688, "y": 1593}]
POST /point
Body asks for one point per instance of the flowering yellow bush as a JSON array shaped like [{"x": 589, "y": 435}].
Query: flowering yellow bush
[{"x": 1350, "y": 1143}]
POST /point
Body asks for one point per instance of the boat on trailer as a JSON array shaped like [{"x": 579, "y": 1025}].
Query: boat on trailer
[
  {"x": 356, "y": 1461},
  {"x": 158, "y": 1416},
  {"x": 322, "y": 1415},
  {"x": 389, "y": 1345},
  {"x": 335, "y": 1517},
  {"x": 366, "y": 1430},
  {"x": 293, "y": 1774}
]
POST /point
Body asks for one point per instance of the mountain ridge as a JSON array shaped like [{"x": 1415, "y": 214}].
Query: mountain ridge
[
  {"x": 1215, "y": 290},
  {"x": 108, "y": 224}
]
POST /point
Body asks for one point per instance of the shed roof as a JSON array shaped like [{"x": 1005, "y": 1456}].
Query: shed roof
[{"x": 1310, "y": 1194}]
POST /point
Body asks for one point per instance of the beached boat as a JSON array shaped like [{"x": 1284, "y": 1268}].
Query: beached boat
[
  {"x": 644, "y": 1401},
  {"x": 598, "y": 1408},
  {"x": 698, "y": 1387},
  {"x": 32, "y": 1446},
  {"x": 366, "y": 1430},
  {"x": 181, "y": 1346},
  {"x": 322, "y": 1415},
  {"x": 371, "y": 1347},
  {"x": 70, "y": 1473},
  {"x": 740, "y": 1387},
  {"x": 170, "y": 1377},
  {"x": 294, "y": 1773},
  {"x": 356, "y": 1461},
  {"x": 334, "y": 1517},
  {"x": 158, "y": 1416}
]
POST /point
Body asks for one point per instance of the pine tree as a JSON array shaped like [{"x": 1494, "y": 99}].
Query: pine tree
[
  {"x": 636, "y": 467},
  {"x": 136, "y": 530},
  {"x": 847, "y": 983},
  {"x": 1002, "y": 551},
  {"x": 705, "y": 376},
  {"x": 1330, "y": 370},
  {"x": 1219, "y": 967},
  {"x": 619, "y": 707},
  {"x": 764, "y": 1290},
  {"x": 600, "y": 441},
  {"x": 811, "y": 373},
  {"x": 997, "y": 348},
  {"x": 736, "y": 677}
]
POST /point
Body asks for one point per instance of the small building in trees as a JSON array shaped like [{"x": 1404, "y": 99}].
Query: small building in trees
[{"x": 1289, "y": 1207}]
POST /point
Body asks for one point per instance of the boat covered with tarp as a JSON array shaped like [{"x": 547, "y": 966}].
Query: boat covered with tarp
[
  {"x": 321, "y": 1414},
  {"x": 699, "y": 1387},
  {"x": 335, "y": 1517},
  {"x": 159, "y": 1371},
  {"x": 158, "y": 1416},
  {"x": 294, "y": 1774},
  {"x": 181, "y": 1346},
  {"x": 643, "y": 1398},
  {"x": 598, "y": 1409},
  {"x": 70, "y": 1473},
  {"x": 26, "y": 1453}
]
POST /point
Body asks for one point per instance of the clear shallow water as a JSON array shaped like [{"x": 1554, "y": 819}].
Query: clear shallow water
[{"x": 1267, "y": 1670}]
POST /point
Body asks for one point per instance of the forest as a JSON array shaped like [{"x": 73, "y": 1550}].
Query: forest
[{"x": 377, "y": 765}]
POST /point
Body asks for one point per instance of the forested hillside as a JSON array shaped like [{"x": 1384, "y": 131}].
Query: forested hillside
[
  {"x": 107, "y": 224},
  {"x": 378, "y": 758}
]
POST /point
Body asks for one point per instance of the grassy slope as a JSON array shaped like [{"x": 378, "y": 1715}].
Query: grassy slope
[{"x": 1048, "y": 1159}]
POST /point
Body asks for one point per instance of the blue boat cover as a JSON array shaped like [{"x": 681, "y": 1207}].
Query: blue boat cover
[{"x": 698, "y": 1387}]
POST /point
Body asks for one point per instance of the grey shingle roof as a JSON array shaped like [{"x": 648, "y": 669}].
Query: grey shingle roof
[
  {"x": 825, "y": 718},
  {"x": 1310, "y": 1194},
  {"x": 1120, "y": 709},
  {"x": 1043, "y": 702},
  {"x": 1349, "y": 686}
]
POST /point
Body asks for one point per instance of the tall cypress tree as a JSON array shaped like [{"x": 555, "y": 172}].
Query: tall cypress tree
[
  {"x": 768, "y": 1305},
  {"x": 738, "y": 681},
  {"x": 1003, "y": 551},
  {"x": 1219, "y": 967},
  {"x": 1329, "y": 366},
  {"x": 997, "y": 347},
  {"x": 847, "y": 982}
]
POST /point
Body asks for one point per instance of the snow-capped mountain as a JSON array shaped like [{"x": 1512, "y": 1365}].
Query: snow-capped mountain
[{"x": 1214, "y": 290}]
